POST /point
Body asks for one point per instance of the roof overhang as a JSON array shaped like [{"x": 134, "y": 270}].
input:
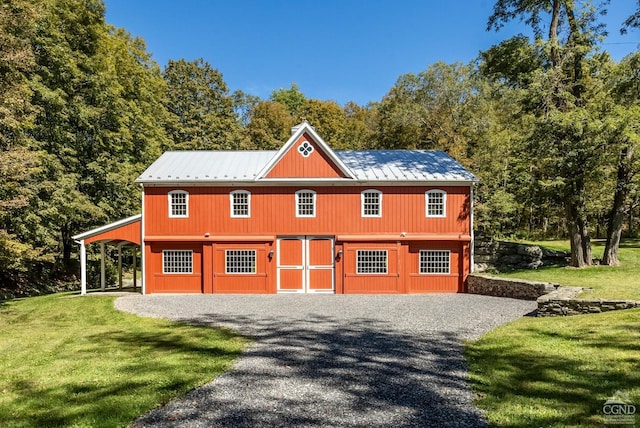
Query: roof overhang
[
  {"x": 308, "y": 182},
  {"x": 93, "y": 233}
]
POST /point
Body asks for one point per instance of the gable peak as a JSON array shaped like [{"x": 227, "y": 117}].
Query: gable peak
[{"x": 297, "y": 127}]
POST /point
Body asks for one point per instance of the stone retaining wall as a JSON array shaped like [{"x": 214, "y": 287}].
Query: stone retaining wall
[
  {"x": 553, "y": 299},
  {"x": 490, "y": 254},
  {"x": 513, "y": 288},
  {"x": 563, "y": 301}
]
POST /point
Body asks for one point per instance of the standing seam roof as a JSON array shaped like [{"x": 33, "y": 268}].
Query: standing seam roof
[{"x": 243, "y": 166}]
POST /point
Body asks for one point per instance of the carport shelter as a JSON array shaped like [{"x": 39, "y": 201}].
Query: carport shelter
[{"x": 124, "y": 233}]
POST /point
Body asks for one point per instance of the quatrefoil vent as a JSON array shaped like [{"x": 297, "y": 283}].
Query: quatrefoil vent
[{"x": 305, "y": 149}]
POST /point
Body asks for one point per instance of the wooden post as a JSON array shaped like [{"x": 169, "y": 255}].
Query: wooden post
[
  {"x": 83, "y": 268},
  {"x": 135, "y": 268},
  {"x": 120, "y": 266},
  {"x": 103, "y": 278}
]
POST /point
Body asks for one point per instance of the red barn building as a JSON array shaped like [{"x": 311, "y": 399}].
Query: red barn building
[{"x": 304, "y": 219}]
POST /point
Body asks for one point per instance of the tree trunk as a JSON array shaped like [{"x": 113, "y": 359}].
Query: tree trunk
[
  {"x": 553, "y": 32},
  {"x": 575, "y": 235},
  {"x": 67, "y": 247},
  {"x": 616, "y": 215},
  {"x": 585, "y": 240}
]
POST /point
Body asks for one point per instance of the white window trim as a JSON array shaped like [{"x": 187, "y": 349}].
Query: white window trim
[
  {"x": 444, "y": 203},
  {"x": 164, "y": 272},
  {"x": 231, "y": 203},
  {"x": 448, "y": 272},
  {"x": 373, "y": 273},
  {"x": 362, "y": 199},
  {"x": 298, "y": 203},
  {"x": 170, "y": 203},
  {"x": 226, "y": 262}
]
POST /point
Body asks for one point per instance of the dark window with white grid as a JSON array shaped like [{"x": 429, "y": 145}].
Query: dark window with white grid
[
  {"x": 177, "y": 261},
  {"x": 371, "y": 261},
  {"x": 435, "y": 203},
  {"x": 240, "y": 261},
  {"x": 178, "y": 204},
  {"x": 371, "y": 203},
  {"x": 434, "y": 261},
  {"x": 306, "y": 201},
  {"x": 240, "y": 204}
]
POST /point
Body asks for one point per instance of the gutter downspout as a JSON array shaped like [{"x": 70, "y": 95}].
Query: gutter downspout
[
  {"x": 143, "y": 263},
  {"x": 472, "y": 253}
]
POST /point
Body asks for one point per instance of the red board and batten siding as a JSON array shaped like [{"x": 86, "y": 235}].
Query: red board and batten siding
[
  {"x": 338, "y": 212},
  {"x": 129, "y": 232},
  {"x": 273, "y": 212},
  {"x": 317, "y": 164},
  {"x": 173, "y": 282},
  {"x": 402, "y": 230}
]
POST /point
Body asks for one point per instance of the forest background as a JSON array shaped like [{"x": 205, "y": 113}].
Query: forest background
[{"x": 549, "y": 124}]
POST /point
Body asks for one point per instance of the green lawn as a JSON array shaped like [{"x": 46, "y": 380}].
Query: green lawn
[
  {"x": 608, "y": 282},
  {"x": 541, "y": 372},
  {"x": 69, "y": 361}
]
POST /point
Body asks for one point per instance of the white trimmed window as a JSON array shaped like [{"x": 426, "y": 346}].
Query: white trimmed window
[
  {"x": 178, "y": 203},
  {"x": 436, "y": 202},
  {"x": 371, "y": 201},
  {"x": 371, "y": 261},
  {"x": 240, "y": 261},
  {"x": 177, "y": 261},
  {"x": 435, "y": 261},
  {"x": 240, "y": 203},
  {"x": 305, "y": 203}
]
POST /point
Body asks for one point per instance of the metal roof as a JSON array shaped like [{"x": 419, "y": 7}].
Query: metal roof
[
  {"x": 107, "y": 227},
  {"x": 404, "y": 165},
  {"x": 206, "y": 166},
  {"x": 193, "y": 167}
]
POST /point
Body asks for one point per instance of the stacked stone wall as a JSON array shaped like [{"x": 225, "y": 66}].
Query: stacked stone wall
[
  {"x": 512, "y": 288},
  {"x": 491, "y": 254}
]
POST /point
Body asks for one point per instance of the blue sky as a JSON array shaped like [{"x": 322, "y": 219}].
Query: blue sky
[{"x": 342, "y": 50}]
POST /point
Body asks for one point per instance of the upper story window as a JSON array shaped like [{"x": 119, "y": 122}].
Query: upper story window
[
  {"x": 178, "y": 203},
  {"x": 434, "y": 261},
  {"x": 436, "y": 201},
  {"x": 305, "y": 203},
  {"x": 371, "y": 203},
  {"x": 177, "y": 261},
  {"x": 240, "y": 203}
]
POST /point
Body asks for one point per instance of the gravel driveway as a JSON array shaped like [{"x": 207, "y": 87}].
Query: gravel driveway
[{"x": 334, "y": 360}]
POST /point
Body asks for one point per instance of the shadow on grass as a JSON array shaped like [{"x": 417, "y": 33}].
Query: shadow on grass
[
  {"x": 630, "y": 243},
  {"x": 548, "y": 266},
  {"x": 322, "y": 371},
  {"x": 527, "y": 386},
  {"x": 152, "y": 372}
]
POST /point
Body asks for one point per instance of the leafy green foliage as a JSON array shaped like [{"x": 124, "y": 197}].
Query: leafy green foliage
[
  {"x": 292, "y": 98},
  {"x": 85, "y": 117},
  {"x": 550, "y": 126},
  {"x": 270, "y": 125},
  {"x": 202, "y": 115}
]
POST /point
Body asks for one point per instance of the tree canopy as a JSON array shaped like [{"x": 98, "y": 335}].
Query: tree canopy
[{"x": 549, "y": 124}]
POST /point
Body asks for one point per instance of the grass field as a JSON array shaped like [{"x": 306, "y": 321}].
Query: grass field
[
  {"x": 68, "y": 361},
  {"x": 608, "y": 282},
  {"x": 541, "y": 372}
]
